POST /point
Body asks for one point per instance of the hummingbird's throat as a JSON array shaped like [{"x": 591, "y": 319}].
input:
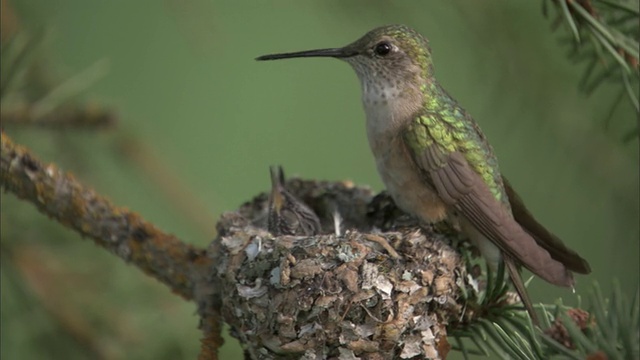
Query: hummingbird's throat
[
  {"x": 374, "y": 94},
  {"x": 388, "y": 106}
]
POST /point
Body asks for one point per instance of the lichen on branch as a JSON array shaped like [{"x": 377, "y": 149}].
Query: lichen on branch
[{"x": 59, "y": 195}]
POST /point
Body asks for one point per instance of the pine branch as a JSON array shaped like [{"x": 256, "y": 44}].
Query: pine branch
[
  {"x": 604, "y": 35},
  {"x": 610, "y": 329}
]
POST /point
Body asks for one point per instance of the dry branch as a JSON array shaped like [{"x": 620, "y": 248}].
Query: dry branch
[
  {"x": 59, "y": 195},
  {"x": 66, "y": 117}
]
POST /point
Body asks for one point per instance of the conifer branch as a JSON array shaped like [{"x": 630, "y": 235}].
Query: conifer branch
[
  {"x": 603, "y": 34},
  {"x": 610, "y": 329}
]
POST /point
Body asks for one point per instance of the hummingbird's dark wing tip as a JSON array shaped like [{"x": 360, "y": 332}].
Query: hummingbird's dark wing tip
[
  {"x": 573, "y": 262},
  {"x": 550, "y": 242}
]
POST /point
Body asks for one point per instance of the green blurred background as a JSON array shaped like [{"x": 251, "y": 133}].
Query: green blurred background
[{"x": 206, "y": 121}]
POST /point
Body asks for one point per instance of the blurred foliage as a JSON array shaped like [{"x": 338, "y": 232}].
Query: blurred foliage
[
  {"x": 499, "y": 327},
  {"x": 200, "y": 122},
  {"x": 604, "y": 34}
]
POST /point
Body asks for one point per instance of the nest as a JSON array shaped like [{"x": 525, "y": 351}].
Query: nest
[{"x": 381, "y": 287}]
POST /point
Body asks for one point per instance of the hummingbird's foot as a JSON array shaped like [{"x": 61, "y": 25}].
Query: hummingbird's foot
[
  {"x": 383, "y": 214},
  {"x": 445, "y": 227}
]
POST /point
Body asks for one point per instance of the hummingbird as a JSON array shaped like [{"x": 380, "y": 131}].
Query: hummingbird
[
  {"x": 287, "y": 214},
  {"x": 436, "y": 163}
]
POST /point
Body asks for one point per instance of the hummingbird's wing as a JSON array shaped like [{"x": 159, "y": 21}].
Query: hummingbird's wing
[
  {"x": 544, "y": 237},
  {"x": 460, "y": 187}
]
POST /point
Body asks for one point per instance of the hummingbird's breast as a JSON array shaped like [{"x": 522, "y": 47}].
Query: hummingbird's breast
[{"x": 396, "y": 167}]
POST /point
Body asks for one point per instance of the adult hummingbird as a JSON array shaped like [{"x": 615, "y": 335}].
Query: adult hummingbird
[
  {"x": 435, "y": 161},
  {"x": 287, "y": 214}
]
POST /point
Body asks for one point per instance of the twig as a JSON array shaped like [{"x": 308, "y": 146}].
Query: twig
[
  {"x": 60, "y": 196},
  {"x": 10, "y": 22},
  {"x": 91, "y": 116},
  {"x": 384, "y": 243},
  {"x": 611, "y": 50},
  {"x": 42, "y": 285},
  {"x": 212, "y": 328}
]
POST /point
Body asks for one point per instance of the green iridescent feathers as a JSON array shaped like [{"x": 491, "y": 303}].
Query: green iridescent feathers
[{"x": 445, "y": 125}]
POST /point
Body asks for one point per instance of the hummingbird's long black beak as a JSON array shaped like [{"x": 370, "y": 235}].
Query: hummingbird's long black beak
[{"x": 336, "y": 53}]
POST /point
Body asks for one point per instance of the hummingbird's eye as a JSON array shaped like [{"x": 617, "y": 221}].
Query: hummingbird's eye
[{"x": 382, "y": 48}]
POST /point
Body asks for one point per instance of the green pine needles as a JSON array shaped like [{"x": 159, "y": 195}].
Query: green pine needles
[
  {"x": 603, "y": 34},
  {"x": 496, "y": 325}
]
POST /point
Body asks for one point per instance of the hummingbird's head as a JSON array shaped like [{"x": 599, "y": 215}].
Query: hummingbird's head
[
  {"x": 390, "y": 57},
  {"x": 391, "y": 61}
]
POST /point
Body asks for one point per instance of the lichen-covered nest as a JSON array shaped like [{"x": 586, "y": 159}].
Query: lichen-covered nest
[{"x": 382, "y": 288}]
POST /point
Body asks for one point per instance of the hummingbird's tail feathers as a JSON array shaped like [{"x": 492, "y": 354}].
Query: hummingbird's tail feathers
[
  {"x": 544, "y": 237},
  {"x": 514, "y": 274},
  {"x": 458, "y": 185}
]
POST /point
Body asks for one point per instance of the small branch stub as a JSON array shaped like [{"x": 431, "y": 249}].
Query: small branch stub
[{"x": 337, "y": 296}]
